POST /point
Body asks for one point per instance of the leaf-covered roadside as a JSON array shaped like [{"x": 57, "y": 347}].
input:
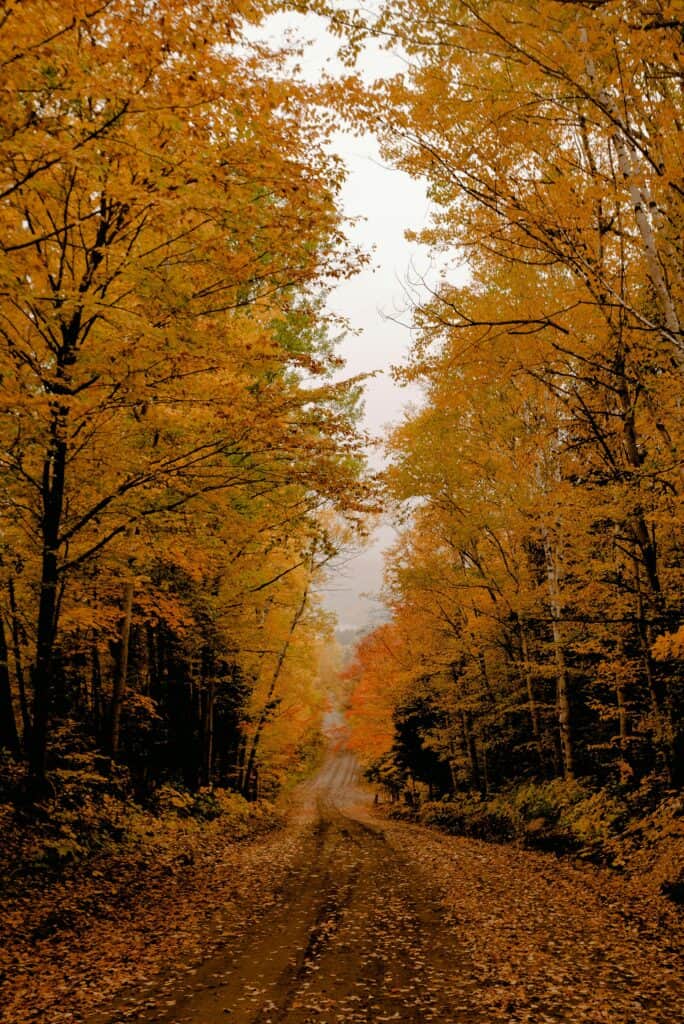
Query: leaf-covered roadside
[
  {"x": 550, "y": 940},
  {"x": 140, "y": 913},
  {"x": 616, "y": 830}
]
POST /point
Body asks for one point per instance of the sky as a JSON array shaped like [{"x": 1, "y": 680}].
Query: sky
[
  {"x": 375, "y": 303},
  {"x": 388, "y": 202}
]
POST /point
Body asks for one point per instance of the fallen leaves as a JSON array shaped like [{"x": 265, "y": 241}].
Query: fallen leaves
[
  {"x": 339, "y": 918},
  {"x": 549, "y": 941},
  {"x": 127, "y": 931}
]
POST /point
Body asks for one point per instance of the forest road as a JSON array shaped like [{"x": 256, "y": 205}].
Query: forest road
[{"x": 355, "y": 936}]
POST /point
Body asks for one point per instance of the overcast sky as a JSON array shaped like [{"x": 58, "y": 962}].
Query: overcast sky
[
  {"x": 390, "y": 202},
  {"x": 375, "y": 302}
]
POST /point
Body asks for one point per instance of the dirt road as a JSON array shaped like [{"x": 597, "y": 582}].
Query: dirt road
[
  {"x": 359, "y": 933},
  {"x": 341, "y": 917},
  {"x": 353, "y": 937}
]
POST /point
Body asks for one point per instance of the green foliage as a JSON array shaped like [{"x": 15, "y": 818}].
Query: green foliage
[
  {"x": 170, "y": 800},
  {"x": 556, "y": 815},
  {"x": 237, "y": 813},
  {"x": 545, "y": 800},
  {"x": 593, "y": 820}
]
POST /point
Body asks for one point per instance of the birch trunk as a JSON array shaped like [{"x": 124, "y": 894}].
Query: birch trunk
[{"x": 640, "y": 199}]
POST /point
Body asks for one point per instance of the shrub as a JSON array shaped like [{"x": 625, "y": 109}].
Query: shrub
[
  {"x": 594, "y": 819},
  {"x": 469, "y": 816},
  {"x": 559, "y": 815},
  {"x": 168, "y": 799},
  {"x": 545, "y": 800}
]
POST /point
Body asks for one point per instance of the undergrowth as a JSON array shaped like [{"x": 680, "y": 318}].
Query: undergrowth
[
  {"x": 90, "y": 815},
  {"x": 561, "y": 816}
]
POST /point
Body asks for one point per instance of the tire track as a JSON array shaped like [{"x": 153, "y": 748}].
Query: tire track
[{"x": 354, "y": 937}]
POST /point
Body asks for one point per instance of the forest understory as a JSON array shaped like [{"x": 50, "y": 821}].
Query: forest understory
[
  {"x": 644, "y": 848},
  {"x": 149, "y": 905}
]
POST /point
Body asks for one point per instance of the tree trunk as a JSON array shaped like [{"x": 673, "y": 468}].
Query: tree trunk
[
  {"x": 634, "y": 176},
  {"x": 562, "y": 688},
  {"x": 9, "y": 737},
  {"x": 208, "y": 691},
  {"x": 43, "y": 671},
  {"x": 471, "y": 748},
  {"x": 240, "y": 755},
  {"x": 19, "y": 666},
  {"x": 621, "y": 700},
  {"x": 251, "y": 760},
  {"x": 655, "y": 690},
  {"x": 121, "y": 669},
  {"x": 453, "y": 759},
  {"x": 532, "y": 705},
  {"x": 96, "y": 689},
  {"x": 485, "y": 770}
]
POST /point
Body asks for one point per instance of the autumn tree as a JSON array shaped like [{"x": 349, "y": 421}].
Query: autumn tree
[
  {"x": 168, "y": 217},
  {"x": 545, "y": 470}
]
